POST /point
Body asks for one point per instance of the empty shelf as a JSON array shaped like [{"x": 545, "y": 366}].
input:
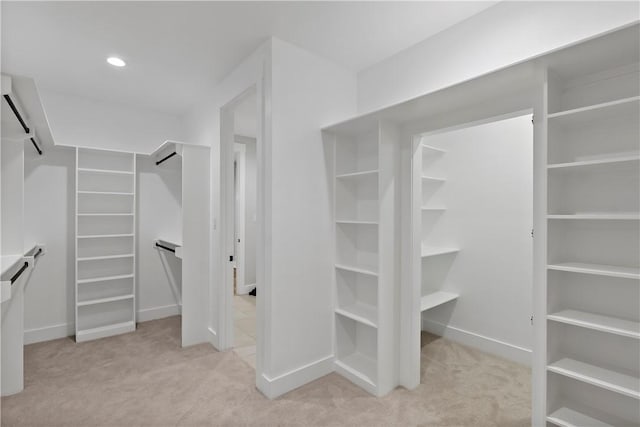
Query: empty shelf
[
  {"x": 362, "y": 313},
  {"x": 597, "y": 111},
  {"x": 106, "y": 193},
  {"x": 103, "y": 236},
  {"x": 433, "y": 178},
  {"x": 356, "y": 270},
  {"x": 96, "y": 258},
  {"x": 597, "y": 376},
  {"x": 597, "y": 269},
  {"x": 596, "y": 162},
  {"x": 105, "y": 278},
  {"x": 105, "y": 331},
  {"x": 105, "y": 214},
  {"x": 433, "y": 209},
  {"x": 431, "y": 251},
  {"x": 565, "y": 417},
  {"x": 360, "y": 366},
  {"x": 358, "y": 174},
  {"x": 597, "y": 322},
  {"x": 104, "y": 300},
  {"x": 607, "y": 216},
  {"x": 435, "y": 299},
  {"x": 357, "y": 222},
  {"x": 432, "y": 149},
  {"x": 105, "y": 171}
]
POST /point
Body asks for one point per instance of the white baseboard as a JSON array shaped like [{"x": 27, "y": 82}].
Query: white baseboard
[
  {"x": 489, "y": 345},
  {"x": 154, "y": 313},
  {"x": 212, "y": 337},
  {"x": 49, "y": 333},
  {"x": 284, "y": 383}
]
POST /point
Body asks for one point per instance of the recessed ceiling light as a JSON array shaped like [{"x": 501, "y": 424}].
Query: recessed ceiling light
[{"x": 116, "y": 62}]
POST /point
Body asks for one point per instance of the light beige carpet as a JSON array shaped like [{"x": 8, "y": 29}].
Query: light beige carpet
[{"x": 145, "y": 378}]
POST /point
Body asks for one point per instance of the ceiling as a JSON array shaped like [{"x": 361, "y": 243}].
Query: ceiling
[{"x": 176, "y": 50}]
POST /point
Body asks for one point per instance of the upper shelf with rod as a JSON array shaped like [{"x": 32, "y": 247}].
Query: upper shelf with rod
[
  {"x": 18, "y": 116},
  {"x": 166, "y": 151},
  {"x": 16, "y": 266},
  {"x": 168, "y": 246}
]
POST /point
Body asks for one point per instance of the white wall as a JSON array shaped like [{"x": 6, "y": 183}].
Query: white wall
[
  {"x": 308, "y": 93},
  {"x": 488, "y": 196},
  {"x": 159, "y": 216},
  {"x": 509, "y": 32},
  {"x": 49, "y": 200},
  {"x": 250, "y": 208},
  {"x": 84, "y": 122}
]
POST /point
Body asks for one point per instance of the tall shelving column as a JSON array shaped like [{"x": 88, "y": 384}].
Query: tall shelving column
[
  {"x": 365, "y": 257},
  {"x": 593, "y": 267},
  {"x": 105, "y": 243}
]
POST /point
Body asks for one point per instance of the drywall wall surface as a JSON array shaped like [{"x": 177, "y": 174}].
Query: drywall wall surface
[
  {"x": 509, "y": 32},
  {"x": 49, "y": 215},
  {"x": 83, "y": 122},
  {"x": 159, "y": 216},
  {"x": 308, "y": 93},
  {"x": 488, "y": 197}
]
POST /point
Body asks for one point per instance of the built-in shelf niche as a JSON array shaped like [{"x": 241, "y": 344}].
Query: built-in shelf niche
[
  {"x": 357, "y": 352},
  {"x": 105, "y": 288},
  {"x": 105, "y": 203},
  {"x": 357, "y": 294},
  {"x": 357, "y": 246},
  {"x": 106, "y": 246},
  {"x": 105, "y": 182},
  {"x": 357, "y": 153},
  {"x": 104, "y": 225},
  {"x": 357, "y": 197},
  {"x": 105, "y": 160}
]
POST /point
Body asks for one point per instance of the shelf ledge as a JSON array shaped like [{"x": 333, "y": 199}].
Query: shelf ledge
[
  {"x": 433, "y": 149},
  {"x": 596, "y": 162},
  {"x": 436, "y": 299},
  {"x": 102, "y": 257},
  {"x": 432, "y": 251},
  {"x": 360, "y": 313},
  {"x": 358, "y": 174},
  {"x": 356, "y": 222},
  {"x": 105, "y": 300},
  {"x": 103, "y": 236},
  {"x": 623, "y": 103},
  {"x": 597, "y": 269},
  {"x": 105, "y": 278},
  {"x": 597, "y": 322},
  {"x": 356, "y": 270},
  {"x": 565, "y": 417},
  {"x": 632, "y": 216},
  {"x": 106, "y": 171}
]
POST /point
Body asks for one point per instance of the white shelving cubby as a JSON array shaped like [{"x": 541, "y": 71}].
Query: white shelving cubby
[{"x": 105, "y": 243}]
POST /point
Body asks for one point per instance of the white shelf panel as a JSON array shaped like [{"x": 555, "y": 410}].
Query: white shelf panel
[
  {"x": 435, "y": 299},
  {"x": 433, "y": 179},
  {"x": 104, "y": 300},
  {"x": 607, "y": 161},
  {"x": 618, "y": 107},
  {"x": 600, "y": 377},
  {"x": 597, "y": 269},
  {"x": 357, "y": 270},
  {"x": 97, "y": 258},
  {"x": 361, "y": 367},
  {"x": 8, "y": 261},
  {"x": 104, "y": 236},
  {"x": 428, "y": 251},
  {"x": 369, "y": 173},
  {"x": 105, "y": 279},
  {"x": 612, "y": 325},
  {"x": 106, "y": 193},
  {"x": 432, "y": 149},
  {"x": 105, "y": 171},
  {"x": 362, "y": 313},
  {"x": 598, "y": 216},
  {"x": 105, "y": 214},
  {"x": 356, "y": 222},
  {"x": 105, "y": 331},
  {"x": 433, "y": 209},
  {"x": 565, "y": 417}
]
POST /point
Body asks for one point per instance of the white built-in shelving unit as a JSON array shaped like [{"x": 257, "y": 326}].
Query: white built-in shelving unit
[
  {"x": 364, "y": 270},
  {"x": 593, "y": 260},
  {"x": 105, "y": 243}
]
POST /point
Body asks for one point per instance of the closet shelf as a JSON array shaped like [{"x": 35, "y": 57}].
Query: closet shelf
[
  {"x": 432, "y": 251},
  {"x": 105, "y": 171},
  {"x": 357, "y": 222},
  {"x": 597, "y": 322},
  {"x": 597, "y": 111},
  {"x": 433, "y": 149},
  {"x": 435, "y": 299},
  {"x": 105, "y": 278},
  {"x": 104, "y": 300},
  {"x": 103, "y": 236},
  {"x": 369, "y": 173},
  {"x": 97, "y": 258},
  {"x": 361, "y": 367},
  {"x": 597, "y": 269},
  {"x": 607, "y": 161},
  {"x": 566, "y": 417},
  {"x": 105, "y": 331},
  {"x": 361, "y": 313},
  {"x": 599, "y": 377},
  {"x": 105, "y": 214},
  {"x": 433, "y": 179},
  {"x": 433, "y": 209},
  {"x": 356, "y": 270},
  {"x": 597, "y": 216},
  {"x": 106, "y": 193}
]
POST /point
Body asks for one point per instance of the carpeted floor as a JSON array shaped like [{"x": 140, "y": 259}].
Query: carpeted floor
[{"x": 145, "y": 378}]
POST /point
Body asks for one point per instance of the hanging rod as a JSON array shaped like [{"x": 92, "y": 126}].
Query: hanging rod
[
  {"x": 19, "y": 272},
  {"x": 166, "y": 158},
  {"x": 22, "y": 122},
  {"x": 37, "y": 254},
  {"x": 166, "y": 248}
]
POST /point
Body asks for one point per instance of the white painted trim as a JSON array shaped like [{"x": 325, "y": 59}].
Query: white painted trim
[
  {"x": 481, "y": 342},
  {"x": 161, "y": 312},
  {"x": 245, "y": 289},
  {"x": 212, "y": 337},
  {"x": 240, "y": 152},
  {"x": 49, "y": 333},
  {"x": 284, "y": 383}
]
